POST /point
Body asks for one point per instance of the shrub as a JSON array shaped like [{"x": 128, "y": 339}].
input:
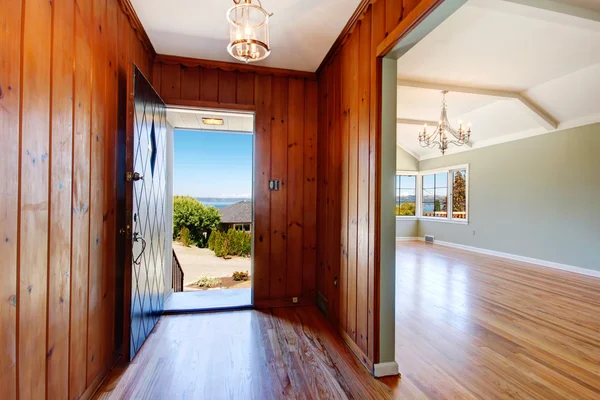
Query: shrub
[
  {"x": 184, "y": 236},
  {"x": 211, "y": 239},
  {"x": 195, "y": 216},
  {"x": 230, "y": 243},
  {"x": 208, "y": 282},
  {"x": 406, "y": 209},
  {"x": 240, "y": 276}
]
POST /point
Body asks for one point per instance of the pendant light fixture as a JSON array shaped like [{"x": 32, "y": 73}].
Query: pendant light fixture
[
  {"x": 444, "y": 134},
  {"x": 248, "y": 31}
]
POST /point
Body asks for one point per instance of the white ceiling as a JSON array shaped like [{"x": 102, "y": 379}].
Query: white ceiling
[
  {"x": 181, "y": 118},
  {"x": 302, "y": 31},
  {"x": 551, "y": 59}
]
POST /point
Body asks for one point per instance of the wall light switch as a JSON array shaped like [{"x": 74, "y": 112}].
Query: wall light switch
[{"x": 274, "y": 184}]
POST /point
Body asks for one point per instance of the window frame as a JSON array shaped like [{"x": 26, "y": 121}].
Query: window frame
[{"x": 449, "y": 204}]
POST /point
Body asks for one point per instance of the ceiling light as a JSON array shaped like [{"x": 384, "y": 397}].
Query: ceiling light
[
  {"x": 212, "y": 121},
  {"x": 248, "y": 31},
  {"x": 440, "y": 136}
]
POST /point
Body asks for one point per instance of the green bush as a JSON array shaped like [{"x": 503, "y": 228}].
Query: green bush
[
  {"x": 240, "y": 276},
  {"x": 208, "y": 282},
  {"x": 195, "y": 216},
  {"x": 406, "y": 209},
  {"x": 230, "y": 243},
  {"x": 184, "y": 236}
]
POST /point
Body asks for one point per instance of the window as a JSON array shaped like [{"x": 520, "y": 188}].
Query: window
[
  {"x": 459, "y": 194},
  {"x": 439, "y": 195},
  {"x": 242, "y": 227},
  {"x": 435, "y": 195},
  {"x": 406, "y": 195}
]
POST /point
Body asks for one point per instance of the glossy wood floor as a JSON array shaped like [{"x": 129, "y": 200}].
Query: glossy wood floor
[
  {"x": 470, "y": 326},
  {"x": 284, "y": 353}
]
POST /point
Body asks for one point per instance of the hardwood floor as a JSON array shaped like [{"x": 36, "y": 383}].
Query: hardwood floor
[
  {"x": 274, "y": 354},
  {"x": 470, "y": 326}
]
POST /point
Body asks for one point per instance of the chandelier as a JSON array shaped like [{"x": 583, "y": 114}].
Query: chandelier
[
  {"x": 248, "y": 31},
  {"x": 444, "y": 134}
]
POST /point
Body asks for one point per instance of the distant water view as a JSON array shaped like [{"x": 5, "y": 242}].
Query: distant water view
[{"x": 220, "y": 202}]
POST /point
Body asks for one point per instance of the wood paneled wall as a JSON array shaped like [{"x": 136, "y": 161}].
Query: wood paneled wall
[
  {"x": 348, "y": 176},
  {"x": 59, "y": 70},
  {"x": 285, "y": 148}
]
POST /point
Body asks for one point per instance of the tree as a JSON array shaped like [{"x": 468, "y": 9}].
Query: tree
[
  {"x": 406, "y": 209},
  {"x": 191, "y": 214},
  {"x": 459, "y": 194},
  {"x": 440, "y": 205}
]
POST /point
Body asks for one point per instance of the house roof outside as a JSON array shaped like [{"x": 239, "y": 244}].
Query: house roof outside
[{"x": 238, "y": 213}]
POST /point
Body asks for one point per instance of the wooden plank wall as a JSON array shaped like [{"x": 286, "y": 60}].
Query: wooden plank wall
[
  {"x": 58, "y": 111},
  {"x": 285, "y": 106},
  {"x": 348, "y": 154}
]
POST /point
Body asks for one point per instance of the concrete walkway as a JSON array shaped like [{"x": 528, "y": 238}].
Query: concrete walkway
[{"x": 197, "y": 262}]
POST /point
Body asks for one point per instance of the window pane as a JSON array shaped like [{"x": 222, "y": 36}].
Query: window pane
[
  {"x": 406, "y": 195},
  {"x": 428, "y": 208},
  {"x": 441, "y": 179},
  {"x": 440, "y": 206},
  {"x": 428, "y": 181},
  {"x": 406, "y": 209},
  {"x": 459, "y": 194},
  {"x": 408, "y": 182}
]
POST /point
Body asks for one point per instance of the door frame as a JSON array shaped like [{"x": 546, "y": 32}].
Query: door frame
[
  {"x": 425, "y": 17},
  {"x": 240, "y": 109}
]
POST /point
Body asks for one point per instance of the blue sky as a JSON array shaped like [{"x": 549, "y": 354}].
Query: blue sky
[{"x": 212, "y": 164}]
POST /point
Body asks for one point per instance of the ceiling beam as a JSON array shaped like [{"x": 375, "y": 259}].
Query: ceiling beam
[
  {"x": 542, "y": 117},
  {"x": 419, "y": 122}
]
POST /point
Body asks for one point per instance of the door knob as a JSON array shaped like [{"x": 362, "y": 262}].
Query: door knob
[{"x": 135, "y": 176}]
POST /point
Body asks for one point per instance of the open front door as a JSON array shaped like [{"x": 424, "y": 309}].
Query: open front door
[{"x": 148, "y": 229}]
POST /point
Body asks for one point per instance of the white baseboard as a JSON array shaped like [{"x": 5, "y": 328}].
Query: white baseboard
[
  {"x": 543, "y": 263},
  {"x": 385, "y": 369}
]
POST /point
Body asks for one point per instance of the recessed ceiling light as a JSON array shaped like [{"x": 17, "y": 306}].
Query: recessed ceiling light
[{"x": 212, "y": 121}]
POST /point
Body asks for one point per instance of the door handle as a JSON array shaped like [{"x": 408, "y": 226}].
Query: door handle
[
  {"x": 137, "y": 238},
  {"x": 136, "y": 176}
]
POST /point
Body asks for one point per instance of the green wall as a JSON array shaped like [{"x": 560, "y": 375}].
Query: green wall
[
  {"x": 387, "y": 271},
  {"x": 537, "y": 197}
]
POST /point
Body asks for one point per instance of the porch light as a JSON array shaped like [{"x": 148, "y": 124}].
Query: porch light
[
  {"x": 212, "y": 121},
  {"x": 248, "y": 31}
]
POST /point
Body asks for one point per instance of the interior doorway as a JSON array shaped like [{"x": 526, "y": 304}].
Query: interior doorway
[{"x": 210, "y": 200}]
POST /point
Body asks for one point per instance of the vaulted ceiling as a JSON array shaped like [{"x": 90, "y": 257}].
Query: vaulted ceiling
[
  {"x": 512, "y": 69},
  {"x": 302, "y": 31}
]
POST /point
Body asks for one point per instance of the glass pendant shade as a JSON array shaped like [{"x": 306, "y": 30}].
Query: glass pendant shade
[{"x": 248, "y": 31}]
